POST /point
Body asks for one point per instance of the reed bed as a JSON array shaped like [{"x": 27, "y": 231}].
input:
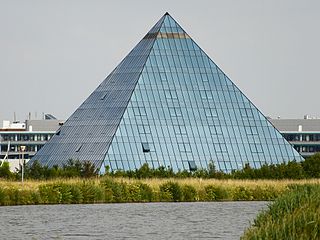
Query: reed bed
[
  {"x": 112, "y": 190},
  {"x": 294, "y": 215}
]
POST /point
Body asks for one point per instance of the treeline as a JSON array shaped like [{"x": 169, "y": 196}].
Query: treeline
[
  {"x": 310, "y": 168},
  {"x": 73, "y": 169}
]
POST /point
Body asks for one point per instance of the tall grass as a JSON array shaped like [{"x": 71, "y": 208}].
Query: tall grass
[
  {"x": 111, "y": 190},
  {"x": 295, "y": 215}
]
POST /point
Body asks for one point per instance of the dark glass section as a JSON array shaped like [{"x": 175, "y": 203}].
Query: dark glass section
[
  {"x": 145, "y": 147},
  {"x": 88, "y": 132},
  {"x": 192, "y": 165}
]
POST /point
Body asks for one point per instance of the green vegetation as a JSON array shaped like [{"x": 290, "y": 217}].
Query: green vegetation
[
  {"x": 5, "y": 171},
  {"x": 73, "y": 169},
  {"x": 290, "y": 170},
  {"x": 79, "y": 182},
  {"x": 294, "y": 215},
  {"x": 118, "y": 190},
  {"x": 310, "y": 168}
]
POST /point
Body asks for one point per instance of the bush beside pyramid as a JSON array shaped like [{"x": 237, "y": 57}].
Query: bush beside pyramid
[{"x": 167, "y": 104}]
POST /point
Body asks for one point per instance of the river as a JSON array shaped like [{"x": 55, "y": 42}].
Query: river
[{"x": 214, "y": 220}]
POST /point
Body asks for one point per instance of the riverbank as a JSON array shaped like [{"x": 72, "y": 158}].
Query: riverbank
[
  {"x": 119, "y": 190},
  {"x": 294, "y": 215}
]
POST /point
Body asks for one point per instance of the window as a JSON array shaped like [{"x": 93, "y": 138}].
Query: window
[
  {"x": 184, "y": 147},
  {"x": 140, "y": 111},
  {"x": 180, "y": 130},
  {"x": 175, "y": 112},
  {"x": 215, "y": 130},
  {"x": 103, "y": 96},
  {"x": 79, "y": 147},
  {"x": 145, "y": 147},
  {"x": 203, "y": 95},
  {"x": 171, "y": 94},
  {"x": 251, "y": 130},
  {"x": 163, "y": 76},
  {"x": 256, "y": 148},
  {"x": 192, "y": 165},
  {"x": 143, "y": 129},
  {"x": 246, "y": 113},
  {"x": 210, "y": 112}
]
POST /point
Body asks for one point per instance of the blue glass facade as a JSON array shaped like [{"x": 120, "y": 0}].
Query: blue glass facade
[{"x": 167, "y": 104}]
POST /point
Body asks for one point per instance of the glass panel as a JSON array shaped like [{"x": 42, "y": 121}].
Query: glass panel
[{"x": 170, "y": 99}]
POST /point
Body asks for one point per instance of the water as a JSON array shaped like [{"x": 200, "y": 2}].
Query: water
[{"x": 215, "y": 220}]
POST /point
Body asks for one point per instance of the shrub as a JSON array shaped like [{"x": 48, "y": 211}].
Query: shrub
[
  {"x": 139, "y": 192},
  {"x": 214, "y": 193},
  {"x": 36, "y": 198},
  {"x": 267, "y": 193},
  {"x": 119, "y": 190},
  {"x": 189, "y": 193},
  {"x": 202, "y": 195},
  {"x": 311, "y": 166},
  {"x": 145, "y": 192},
  {"x": 242, "y": 193},
  {"x": 108, "y": 195},
  {"x": 5, "y": 171},
  {"x": 77, "y": 196},
  {"x": 4, "y": 197},
  {"x": 170, "y": 191},
  {"x": 50, "y": 194},
  {"x": 18, "y": 197},
  {"x": 133, "y": 191},
  {"x": 65, "y": 192},
  {"x": 91, "y": 193}
]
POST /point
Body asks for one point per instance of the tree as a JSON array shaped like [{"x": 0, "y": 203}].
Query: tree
[
  {"x": 144, "y": 171},
  {"x": 5, "y": 171},
  {"x": 35, "y": 171},
  {"x": 88, "y": 169},
  {"x": 211, "y": 170},
  {"x": 311, "y": 166},
  {"x": 72, "y": 168}
]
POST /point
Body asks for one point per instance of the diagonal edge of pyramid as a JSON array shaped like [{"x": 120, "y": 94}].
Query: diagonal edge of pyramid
[
  {"x": 170, "y": 26},
  {"x": 144, "y": 46},
  {"x": 169, "y": 21}
]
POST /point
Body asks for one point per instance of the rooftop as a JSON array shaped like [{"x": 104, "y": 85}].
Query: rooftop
[{"x": 305, "y": 125}]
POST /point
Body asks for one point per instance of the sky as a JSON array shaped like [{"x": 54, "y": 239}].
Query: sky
[{"x": 53, "y": 54}]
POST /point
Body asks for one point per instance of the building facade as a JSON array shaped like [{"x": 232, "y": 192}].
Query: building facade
[
  {"x": 167, "y": 104},
  {"x": 303, "y": 134},
  {"x": 23, "y": 140}
]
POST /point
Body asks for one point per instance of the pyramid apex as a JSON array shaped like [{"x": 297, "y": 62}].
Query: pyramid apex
[{"x": 167, "y": 13}]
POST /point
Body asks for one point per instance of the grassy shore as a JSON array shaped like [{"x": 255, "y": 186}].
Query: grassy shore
[
  {"x": 111, "y": 190},
  {"x": 294, "y": 215}
]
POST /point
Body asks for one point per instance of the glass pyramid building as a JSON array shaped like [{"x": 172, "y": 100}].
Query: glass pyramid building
[{"x": 167, "y": 104}]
